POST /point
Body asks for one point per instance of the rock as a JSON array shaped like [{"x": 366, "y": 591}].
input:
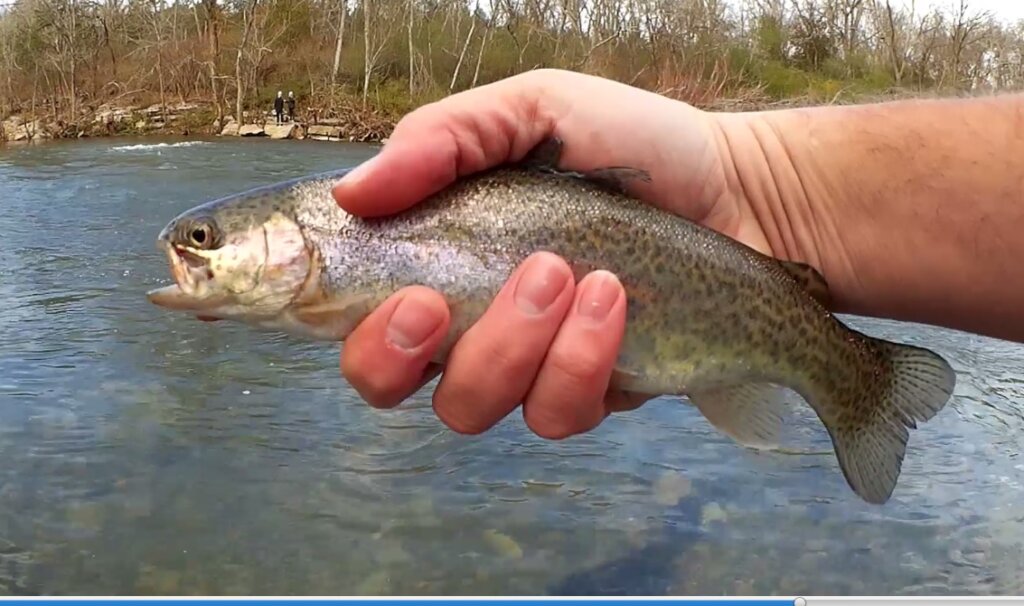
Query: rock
[
  {"x": 107, "y": 115},
  {"x": 323, "y": 132},
  {"x": 251, "y": 130},
  {"x": 15, "y": 129},
  {"x": 230, "y": 129},
  {"x": 280, "y": 131},
  {"x": 140, "y": 125},
  {"x": 503, "y": 544},
  {"x": 670, "y": 488}
]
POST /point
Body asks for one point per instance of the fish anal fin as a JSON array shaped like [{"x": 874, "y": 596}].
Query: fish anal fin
[
  {"x": 334, "y": 318},
  {"x": 810, "y": 279},
  {"x": 749, "y": 413},
  {"x": 870, "y": 424}
]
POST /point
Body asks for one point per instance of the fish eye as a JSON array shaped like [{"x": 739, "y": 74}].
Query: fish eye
[{"x": 200, "y": 234}]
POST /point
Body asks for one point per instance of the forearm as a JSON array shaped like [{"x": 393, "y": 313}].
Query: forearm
[{"x": 913, "y": 210}]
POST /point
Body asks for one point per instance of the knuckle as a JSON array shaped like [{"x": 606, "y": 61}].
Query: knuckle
[
  {"x": 511, "y": 365},
  {"x": 377, "y": 388},
  {"x": 550, "y": 426},
  {"x": 457, "y": 416},
  {"x": 544, "y": 74},
  {"x": 577, "y": 368},
  {"x": 567, "y": 402},
  {"x": 482, "y": 384}
]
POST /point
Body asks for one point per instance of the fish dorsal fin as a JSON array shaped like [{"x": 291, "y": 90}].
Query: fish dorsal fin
[
  {"x": 616, "y": 178},
  {"x": 810, "y": 280},
  {"x": 545, "y": 155}
]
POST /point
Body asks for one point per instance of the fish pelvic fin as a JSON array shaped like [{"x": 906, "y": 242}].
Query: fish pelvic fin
[
  {"x": 749, "y": 413},
  {"x": 869, "y": 424},
  {"x": 811, "y": 280}
]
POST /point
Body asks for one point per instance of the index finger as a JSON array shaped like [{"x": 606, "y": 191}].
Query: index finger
[{"x": 440, "y": 142}]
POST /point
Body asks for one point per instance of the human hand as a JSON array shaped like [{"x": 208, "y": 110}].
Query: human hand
[{"x": 540, "y": 343}]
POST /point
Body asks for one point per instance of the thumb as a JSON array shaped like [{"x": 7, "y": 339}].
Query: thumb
[
  {"x": 437, "y": 143},
  {"x": 403, "y": 173}
]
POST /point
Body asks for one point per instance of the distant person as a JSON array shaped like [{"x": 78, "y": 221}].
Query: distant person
[
  {"x": 291, "y": 106},
  {"x": 279, "y": 107}
]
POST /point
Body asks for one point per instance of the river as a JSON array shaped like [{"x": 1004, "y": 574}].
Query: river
[{"x": 146, "y": 452}]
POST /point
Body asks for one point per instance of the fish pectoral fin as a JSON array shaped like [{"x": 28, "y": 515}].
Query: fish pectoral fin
[
  {"x": 750, "y": 413},
  {"x": 810, "y": 279},
  {"x": 544, "y": 155},
  {"x": 335, "y": 317}
]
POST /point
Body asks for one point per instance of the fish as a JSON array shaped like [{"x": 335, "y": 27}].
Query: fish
[{"x": 709, "y": 319}]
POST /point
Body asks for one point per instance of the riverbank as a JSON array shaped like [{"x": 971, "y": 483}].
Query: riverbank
[
  {"x": 349, "y": 122},
  {"x": 353, "y": 124}
]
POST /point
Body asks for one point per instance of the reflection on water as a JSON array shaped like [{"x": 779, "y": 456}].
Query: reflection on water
[{"x": 145, "y": 452}]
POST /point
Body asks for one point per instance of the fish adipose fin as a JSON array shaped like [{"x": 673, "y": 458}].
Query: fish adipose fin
[
  {"x": 546, "y": 155},
  {"x": 750, "y": 413},
  {"x": 870, "y": 424},
  {"x": 809, "y": 279}
]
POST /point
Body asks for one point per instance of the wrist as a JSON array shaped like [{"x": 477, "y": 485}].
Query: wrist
[
  {"x": 772, "y": 184},
  {"x": 907, "y": 208}
]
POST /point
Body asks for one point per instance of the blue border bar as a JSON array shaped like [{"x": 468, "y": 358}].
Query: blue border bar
[{"x": 399, "y": 602}]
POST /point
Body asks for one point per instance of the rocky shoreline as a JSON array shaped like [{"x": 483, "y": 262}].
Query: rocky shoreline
[{"x": 187, "y": 119}]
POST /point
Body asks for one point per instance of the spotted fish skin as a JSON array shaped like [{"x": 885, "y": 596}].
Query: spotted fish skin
[{"x": 708, "y": 318}]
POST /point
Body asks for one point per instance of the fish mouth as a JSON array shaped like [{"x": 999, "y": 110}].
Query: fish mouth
[{"x": 188, "y": 270}]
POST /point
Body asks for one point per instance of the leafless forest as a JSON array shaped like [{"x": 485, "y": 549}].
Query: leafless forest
[{"x": 62, "y": 59}]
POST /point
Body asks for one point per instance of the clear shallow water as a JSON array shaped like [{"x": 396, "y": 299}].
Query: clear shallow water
[{"x": 145, "y": 452}]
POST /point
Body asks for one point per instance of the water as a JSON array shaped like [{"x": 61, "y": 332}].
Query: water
[{"x": 145, "y": 452}]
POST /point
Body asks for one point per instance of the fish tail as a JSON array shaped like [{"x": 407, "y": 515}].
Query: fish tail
[{"x": 869, "y": 420}]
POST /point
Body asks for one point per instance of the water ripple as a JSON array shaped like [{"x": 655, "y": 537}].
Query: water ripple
[{"x": 147, "y": 453}]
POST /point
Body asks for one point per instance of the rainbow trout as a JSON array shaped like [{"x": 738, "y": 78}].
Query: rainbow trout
[{"x": 708, "y": 318}]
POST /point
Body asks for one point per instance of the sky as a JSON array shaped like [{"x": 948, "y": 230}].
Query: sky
[{"x": 1008, "y": 10}]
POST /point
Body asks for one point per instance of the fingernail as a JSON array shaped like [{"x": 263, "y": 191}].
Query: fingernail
[
  {"x": 539, "y": 286},
  {"x": 356, "y": 173},
  {"x": 412, "y": 323},
  {"x": 600, "y": 293}
]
